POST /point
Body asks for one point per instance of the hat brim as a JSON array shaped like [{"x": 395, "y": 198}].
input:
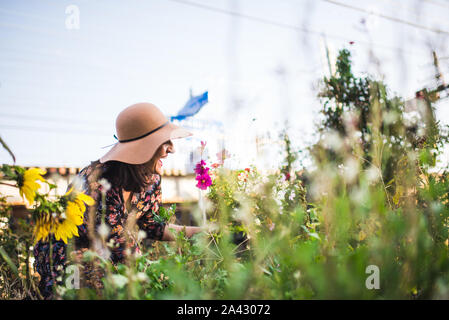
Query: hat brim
[{"x": 142, "y": 150}]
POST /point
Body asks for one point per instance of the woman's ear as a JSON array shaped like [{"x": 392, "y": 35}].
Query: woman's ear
[{"x": 171, "y": 147}]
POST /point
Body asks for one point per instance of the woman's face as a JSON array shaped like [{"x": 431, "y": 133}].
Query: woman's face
[{"x": 161, "y": 153}]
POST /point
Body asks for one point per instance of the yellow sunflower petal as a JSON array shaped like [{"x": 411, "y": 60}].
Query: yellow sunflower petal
[
  {"x": 34, "y": 186},
  {"x": 68, "y": 192},
  {"x": 75, "y": 231},
  {"x": 66, "y": 230},
  {"x": 80, "y": 205},
  {"x": 72, "y": 228},
  {"x": 57, "y": 232},
  {"x": 64, "y": 238},
  {"x": 30, "y": 186},
  {"x": 28, "y": 192},
  {"x": 61, "y": 233},
  {"x": 74, "y": 214},
  {"x": 41, "y": 232},
  {"x": 33, "y": 174},
  {"x": 85, "y": 198}
]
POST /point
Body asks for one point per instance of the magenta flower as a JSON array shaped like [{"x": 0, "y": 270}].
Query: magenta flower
[
  {"x": 201, "y": 168},
  {"x": 204, "y": 181},
  {"x": 202, "y": 175}
]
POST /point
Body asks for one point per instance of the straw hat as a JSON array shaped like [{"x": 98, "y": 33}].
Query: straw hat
[{"x": 141, "y": 129}]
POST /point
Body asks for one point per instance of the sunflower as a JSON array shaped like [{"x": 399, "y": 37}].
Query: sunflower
[
  {"x": 74, "y": 216},
  {"x": 65, "y": 225},
  {"x": 27, "y": 183}
]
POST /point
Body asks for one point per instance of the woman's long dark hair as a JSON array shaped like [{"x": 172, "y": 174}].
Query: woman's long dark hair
[{"x": 130, "y": 177}]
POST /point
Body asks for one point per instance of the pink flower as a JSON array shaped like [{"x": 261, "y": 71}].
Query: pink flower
[
  {"x": 201, "y": 168},
  {"x": 203, "y": 177},
  {"x": 204, "y": 181}
]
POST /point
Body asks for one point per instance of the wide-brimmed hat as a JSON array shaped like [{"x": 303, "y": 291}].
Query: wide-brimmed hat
[{"x": 141, "y": 129}]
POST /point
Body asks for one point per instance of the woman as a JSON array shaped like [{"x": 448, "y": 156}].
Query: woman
[{"x": 126, "y": 184}]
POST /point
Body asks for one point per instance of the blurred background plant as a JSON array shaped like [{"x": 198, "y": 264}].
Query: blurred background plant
[
  {"x": 372, "y": 196},
  {"x": 17, "y": 277}
]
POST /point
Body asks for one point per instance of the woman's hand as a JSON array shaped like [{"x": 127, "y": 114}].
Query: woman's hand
[{"x": 189, "y": 231}]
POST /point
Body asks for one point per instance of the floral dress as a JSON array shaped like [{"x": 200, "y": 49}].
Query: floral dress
[{"x": 50, "y": 256}]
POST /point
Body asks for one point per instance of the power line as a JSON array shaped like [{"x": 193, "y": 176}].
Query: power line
[
  {"x": 286, "y": 25},
  {"x": 51, "y": 119},
  {"x": 383, "y": 16},
  {"x": 53, "y": 130},
  {"x": 414, "y": 13},
  {"x": 248, "y": 17}
]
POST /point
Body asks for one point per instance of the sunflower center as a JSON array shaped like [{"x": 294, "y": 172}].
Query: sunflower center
[
  {"x": 20, "y": 179},
  {"x": 63, "y": 201}
]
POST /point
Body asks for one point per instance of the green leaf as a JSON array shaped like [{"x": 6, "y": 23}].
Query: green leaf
[{"x": 8, "y": 261}]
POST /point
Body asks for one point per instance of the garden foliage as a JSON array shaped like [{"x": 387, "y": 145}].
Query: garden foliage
[{"x": 373, "y": 197}]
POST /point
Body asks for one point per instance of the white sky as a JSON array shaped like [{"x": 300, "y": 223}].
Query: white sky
[{"x": 71, "y": 84}]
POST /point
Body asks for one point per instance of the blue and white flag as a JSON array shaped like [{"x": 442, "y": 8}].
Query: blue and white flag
[{"x": 192, "y": 106}]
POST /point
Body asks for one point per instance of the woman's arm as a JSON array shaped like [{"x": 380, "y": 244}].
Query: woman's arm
[
  {"x": 189, "y": 231},
  {"x": 156, "y": 230}
]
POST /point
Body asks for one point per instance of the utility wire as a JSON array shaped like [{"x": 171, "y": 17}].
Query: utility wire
[
  {"x": 383, "y": 16},
  {"x": 287, "y": 26},
  {"x": 248, "y": 17},
  {"x": 444, "y": 5},
  {"x": 416, "y": 15},
  {"x": 53, "y": 130},
  {"x": 52, "y": 119}
]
